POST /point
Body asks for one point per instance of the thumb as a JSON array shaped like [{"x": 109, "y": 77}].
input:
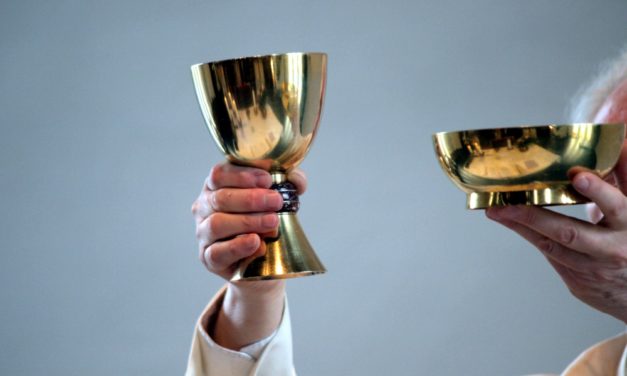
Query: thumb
[
  {"x": 299, "y": 179},
  {"x": 620, "y": 171}
]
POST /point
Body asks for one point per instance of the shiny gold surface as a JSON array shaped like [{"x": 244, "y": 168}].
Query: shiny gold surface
[
  {"x": 289, "y": 255},
  {"x": 527, "y": 165},
  {"x": 264, "y": 111}
]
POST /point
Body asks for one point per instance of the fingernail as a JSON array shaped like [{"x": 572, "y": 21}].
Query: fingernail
[
  {"x": 270, "y": 220},
  {"x": 581, "y": 183},
  {"x": 273, "y": 201}
]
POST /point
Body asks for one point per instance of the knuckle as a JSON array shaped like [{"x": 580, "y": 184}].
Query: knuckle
[
  {"x": 218, "y": 199},
  {"x": 547, "y": 246},
  {"x": 214, "y": 223},
  {"x": 201, "y": 231},
  {"x": 201, "y": 255},
  {"x": 568, "y": 235},
  {"x": 251, "y": 222},
  {"x": 213, "y": 259},
  {"x": 618, "y": 210},
  {"x": 202, "y": 258},
  {"x": 215, "y": 175},
  {"x": 195, "y": 207}
]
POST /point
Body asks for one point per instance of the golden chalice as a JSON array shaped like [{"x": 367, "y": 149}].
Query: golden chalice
[
  {"x": 264, "y": 111},
  {"x": 528, "y": 165}
]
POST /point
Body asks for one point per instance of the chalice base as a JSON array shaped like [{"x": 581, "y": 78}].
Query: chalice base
[
  {"x": 288, "y": 256},
  {"x": 560, "y": 195}
]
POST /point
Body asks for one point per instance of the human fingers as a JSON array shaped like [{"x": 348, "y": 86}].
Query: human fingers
[
  {"x": 237, "y": 200},
  {"x": 200, "y": 207},
  {"x": 570, "y": 232},
  {"x": 220, "y": 226},
  {"x": 220, "y": 257},
  {"x": 299, "y": 179},
  {"x": 227, "y": 175},
  {"x": 582, "y": 277},
  {"x": 610, "y": 200},
  {"x": 550, "y": 249}
]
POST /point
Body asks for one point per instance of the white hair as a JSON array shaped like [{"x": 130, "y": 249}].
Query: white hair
[{"x": 589, "y": 99}]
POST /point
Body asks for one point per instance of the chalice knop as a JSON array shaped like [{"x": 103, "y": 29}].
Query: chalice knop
[{"x": 264, "y": 111}]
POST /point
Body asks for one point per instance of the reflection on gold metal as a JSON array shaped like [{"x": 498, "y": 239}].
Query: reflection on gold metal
[
  {"x": 264, "y": 111},
  {"x": 527, "y": 165}
]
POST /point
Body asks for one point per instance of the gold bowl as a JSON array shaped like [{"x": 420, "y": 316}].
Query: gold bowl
[{"x": 527, "y": 165}]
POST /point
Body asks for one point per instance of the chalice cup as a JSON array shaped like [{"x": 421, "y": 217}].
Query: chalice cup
[{"x": 264, "y": 111}]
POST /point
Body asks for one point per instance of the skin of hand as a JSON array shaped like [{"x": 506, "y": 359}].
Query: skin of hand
[
  {"x": 233, "y": 212},
  {"x": 590, "y": 257}
]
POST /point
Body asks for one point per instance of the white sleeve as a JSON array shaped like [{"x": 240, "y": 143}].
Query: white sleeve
[
  {"x": 207, "y": 358},
  {"x": 604, "y": 358}
]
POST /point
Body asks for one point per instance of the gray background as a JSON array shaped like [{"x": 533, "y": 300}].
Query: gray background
[{"x": 103, "y": 148}]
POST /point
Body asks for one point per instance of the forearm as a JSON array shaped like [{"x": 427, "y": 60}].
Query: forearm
[{"x": 250, "y": 312}]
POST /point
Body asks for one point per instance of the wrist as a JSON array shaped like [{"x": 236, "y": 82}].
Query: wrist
[
  {"x": 250, "y": 312},
  {"x": 257, "y": 291}
]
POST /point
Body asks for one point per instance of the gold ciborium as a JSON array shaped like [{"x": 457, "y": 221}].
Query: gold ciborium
[
  {"x": 528, "y": 165},
  {"x": 263, "y": 111}
]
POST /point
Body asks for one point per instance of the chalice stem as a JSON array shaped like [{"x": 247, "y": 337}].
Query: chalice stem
[{"x": 289, "y": 254}]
